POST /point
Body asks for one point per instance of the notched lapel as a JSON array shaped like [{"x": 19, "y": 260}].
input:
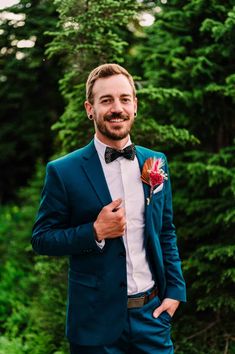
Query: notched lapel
[
  {"x": 148, "y": 206},
  {"x": 141, "y": 159},
  {"x": 95, "y": 174}
]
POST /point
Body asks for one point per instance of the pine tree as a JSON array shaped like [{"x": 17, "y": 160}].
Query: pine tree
[
  {"x": 89, "y": 34},
  {"x": 30, "y": 101},
  {"x": 189, "y": 52}
]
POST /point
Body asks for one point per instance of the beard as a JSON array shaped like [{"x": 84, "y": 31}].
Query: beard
[{"x": 116, "y": 133}]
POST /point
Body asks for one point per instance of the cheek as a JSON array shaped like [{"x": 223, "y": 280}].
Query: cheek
[
  {"x": 96, "y": 115},
  {"x": 100, "y": 113},
  {"x": 131, "y": 110}
]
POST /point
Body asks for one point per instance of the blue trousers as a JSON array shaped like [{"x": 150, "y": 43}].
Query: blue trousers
[{"x": 143, "y": 334}]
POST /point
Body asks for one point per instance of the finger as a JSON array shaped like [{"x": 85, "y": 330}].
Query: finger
[
  {"x": 120, "y": 214},
  {"x": 115, "y": 204},
  {"x": 157, "y": 312}
]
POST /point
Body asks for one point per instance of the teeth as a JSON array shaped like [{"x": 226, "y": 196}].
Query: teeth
[{"x": 116, "y": 120}]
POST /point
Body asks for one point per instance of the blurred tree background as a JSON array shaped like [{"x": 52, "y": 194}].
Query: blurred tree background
[{"x": 183, "y": 59}]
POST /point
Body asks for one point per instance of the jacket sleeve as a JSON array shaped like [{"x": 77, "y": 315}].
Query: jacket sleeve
[
  {"x": 175, "y": 284},
  {"x": 52, "y": 234}
]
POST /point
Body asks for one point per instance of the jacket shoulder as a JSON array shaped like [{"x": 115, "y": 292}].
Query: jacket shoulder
[
  {"x": 150, "y": 153},
  {"x": 74, "y": 157}
]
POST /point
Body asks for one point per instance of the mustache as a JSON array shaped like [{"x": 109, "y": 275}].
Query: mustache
[{"x": 108, "y": 117}]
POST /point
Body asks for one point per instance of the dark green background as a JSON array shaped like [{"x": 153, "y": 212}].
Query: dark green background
[{"x": 184, "y": 68}]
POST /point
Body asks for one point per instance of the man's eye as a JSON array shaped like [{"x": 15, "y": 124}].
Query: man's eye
[
  {"x": 105, "y": 101},
  {"x": 126, "y": 100}
]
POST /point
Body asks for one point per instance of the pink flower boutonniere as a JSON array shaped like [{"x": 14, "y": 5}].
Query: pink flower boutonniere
[{"x": 153, "y": 174}]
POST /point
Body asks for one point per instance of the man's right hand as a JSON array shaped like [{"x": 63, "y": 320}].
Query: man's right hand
[{"x": 111, "y": 221}]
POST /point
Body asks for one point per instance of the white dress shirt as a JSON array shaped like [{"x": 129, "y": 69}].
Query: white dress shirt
[{"x": 123, "y": 180}]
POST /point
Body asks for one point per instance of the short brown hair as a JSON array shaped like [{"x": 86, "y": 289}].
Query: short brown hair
[{"x": 105, "y": 70}]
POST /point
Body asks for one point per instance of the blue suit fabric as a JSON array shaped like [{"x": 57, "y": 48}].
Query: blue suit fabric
[
  {"x": 142, "y": 334},
  {"x": 74, "y": 193}
]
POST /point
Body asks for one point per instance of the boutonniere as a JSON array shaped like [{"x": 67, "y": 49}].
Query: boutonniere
[{"x": 153, "y": 174}]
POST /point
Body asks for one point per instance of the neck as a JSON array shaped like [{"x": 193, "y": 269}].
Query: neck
[{"x": 115, "y": 144}]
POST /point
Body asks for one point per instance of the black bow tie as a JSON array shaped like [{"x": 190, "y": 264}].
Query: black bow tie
[{"x": 113, "y": 154}]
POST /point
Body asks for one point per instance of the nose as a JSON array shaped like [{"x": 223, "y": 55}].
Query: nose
[{"x": 116, "y": 107}]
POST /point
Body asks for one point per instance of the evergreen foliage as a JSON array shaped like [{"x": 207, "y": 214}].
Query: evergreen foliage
[
  {"x": 184, "y": 69},
  {"x": 33, "y": 288},
  {"x": 30, "y": 101},
  {"x": 85, "y": 49},
  {"x": 189, "y": 53},
  {"x": 89, "y": 33}
]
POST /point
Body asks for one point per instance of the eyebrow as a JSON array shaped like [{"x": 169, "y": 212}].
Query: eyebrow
[{"x": 108, "y": 96}]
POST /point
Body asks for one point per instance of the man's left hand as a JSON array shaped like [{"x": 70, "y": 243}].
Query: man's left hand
[{"x": 169, "y": 305}]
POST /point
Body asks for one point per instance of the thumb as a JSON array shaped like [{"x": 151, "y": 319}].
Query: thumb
[
  {"x": 115, "y": 204},
  {"x": 157, "y": 312}
]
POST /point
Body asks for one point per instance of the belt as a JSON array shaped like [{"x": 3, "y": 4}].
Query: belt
[{"x": 139, "y": 301}]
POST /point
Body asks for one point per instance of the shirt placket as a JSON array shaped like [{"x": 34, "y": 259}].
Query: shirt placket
[{"x": 126, "y": 182}]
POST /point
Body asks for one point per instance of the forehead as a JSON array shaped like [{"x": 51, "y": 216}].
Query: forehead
[{"x": 115, "y": 85}]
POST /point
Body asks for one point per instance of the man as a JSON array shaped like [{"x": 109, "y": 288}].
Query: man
[{"x": 125, "y": 279}]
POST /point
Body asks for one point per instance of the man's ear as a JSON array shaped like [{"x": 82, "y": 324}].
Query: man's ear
[{"x": 89, "y": 109}]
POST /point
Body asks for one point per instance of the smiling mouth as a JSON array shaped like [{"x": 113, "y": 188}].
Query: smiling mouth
[{"x": 116, "y": 120}]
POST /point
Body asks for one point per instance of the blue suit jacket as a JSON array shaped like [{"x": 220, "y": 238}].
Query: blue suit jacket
[{"x": 74, "y": 193}]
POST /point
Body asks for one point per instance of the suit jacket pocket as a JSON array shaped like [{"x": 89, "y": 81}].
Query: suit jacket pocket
[
  {"x": 83, "y": 296},
  {"x": 89, "y": 280},
  {"x": 158, "y": 189},
  {"x": 158, "y": 194}
]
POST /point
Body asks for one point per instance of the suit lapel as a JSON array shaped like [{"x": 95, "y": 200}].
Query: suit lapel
[
  {"x": 93, "y": 169},
  {"x": 142, "y": 157},
  {"x": 95, "y": 174}
]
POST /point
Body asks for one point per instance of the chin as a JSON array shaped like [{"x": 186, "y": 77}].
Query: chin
[{"x": 117, "y": 136}]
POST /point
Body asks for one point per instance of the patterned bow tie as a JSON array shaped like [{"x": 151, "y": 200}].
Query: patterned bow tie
[{"x": 113, "y": 154}]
